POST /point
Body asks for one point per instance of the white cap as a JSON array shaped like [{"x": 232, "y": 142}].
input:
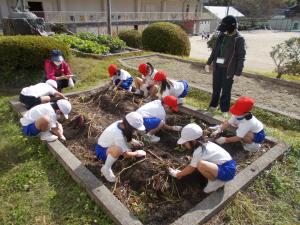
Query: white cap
[
  {"x": 65, "y": 107},
  {"x": 52, "y": 83},
  {"x": 135, "y": 120},
  {"x": 190, "y": 132}
]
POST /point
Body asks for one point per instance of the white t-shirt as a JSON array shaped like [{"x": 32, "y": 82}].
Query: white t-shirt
[
  {"x": 175, "y": 90},
  {"x": 124, "y": 75},
  {"x": 212, "y": 153},
  {"x": 113, "y": 135},
  {"x": 149, "y": 79},
  {"x": 38, "y": 90},
  {"x": 244, "y": 126},
  {"x": 153, "y": 109},
  {"x": 32, "y": 115}
]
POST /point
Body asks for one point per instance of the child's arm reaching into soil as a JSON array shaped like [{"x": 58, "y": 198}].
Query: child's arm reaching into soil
[
  {"x": 179, "y": 174},
  {"x": 174, "y": 128},
  {"x": 118, "y": 85},
  {"x": 137, "y": 153}
]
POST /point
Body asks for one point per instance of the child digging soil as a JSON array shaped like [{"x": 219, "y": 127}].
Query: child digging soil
[
  {"x": 114, "y": 141},
  {"x": 249, "y": 129},
  {"x": 154, "y": 116},
  {"x": 120, "y": 78},
  {"x": 212, "y": 161},
  {"x": 145, "y": 84}
]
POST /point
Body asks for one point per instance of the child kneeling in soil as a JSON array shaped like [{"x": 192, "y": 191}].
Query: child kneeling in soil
[
  {"x": 211, "y": 160},
  {"x": 179, "y": 88},
  {"x": 39, "y": 93},
  {"x": 145, "y": 84},
  {"x": 154, "y": 116},
  {"x": 249, "y": 129},
  {"x": 42, "y": 119},
  {"x": 120, "y": 78},
  {"x": 114, "y": 140}
]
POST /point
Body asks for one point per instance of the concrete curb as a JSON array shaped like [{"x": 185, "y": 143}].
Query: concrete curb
[
  {"x": 199, "y": 64},
  {"x": 202, "y": 212}
]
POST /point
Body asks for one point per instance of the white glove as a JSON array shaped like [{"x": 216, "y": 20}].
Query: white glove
[
  {"x": 173, "y": 172},
  {"x": 63, "y": 138},
  {"x": 207, "y": 68},
  {"x": 214, "y": 128},
  {"x": 221, "y": 140},
  {"x": 137, "y": 143},
  {"x": 177, "y": 128},
  {"x": 140, "y": 153},
  {"x": 215, "y": 133}
]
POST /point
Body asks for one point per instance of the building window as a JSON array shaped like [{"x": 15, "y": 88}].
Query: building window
[{"x": 188, "y": 8}]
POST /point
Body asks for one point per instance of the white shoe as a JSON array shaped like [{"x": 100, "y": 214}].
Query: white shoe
[
  {"x": 108, "y": 174},
  {"x": 213, "y": 109},
  {"x": 213, "y": 185},
  {"x": 253, "y": 147},
  {"x": 180, "y": 101},
  {"x": 138, "y": 92},
  {"x": 152, "y": 138},
  {"x": 48, "y": 136}
]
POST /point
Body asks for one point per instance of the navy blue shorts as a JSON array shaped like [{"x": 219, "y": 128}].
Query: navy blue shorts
[
  {"x": 29, "y": 101},
  {"x": 226, "y": 171},
  {"x": 259, "y": 137},
  {"x": 151, "y": 123},
  {"x": 185, "y": 90},
  {"x": 101, "y": 152},
  {"x": 126, "y": 84},
  {"x": 30, "y": 130}
]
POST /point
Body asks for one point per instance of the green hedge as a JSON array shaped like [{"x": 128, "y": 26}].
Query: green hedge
[
  {"x": 133, "y": 38},
  {"x": 22, "y": 58},
  {"x": 166, "y": 38}
]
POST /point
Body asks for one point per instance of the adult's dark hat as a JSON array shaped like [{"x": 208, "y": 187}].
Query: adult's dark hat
[{"x": 228, "y": 23}]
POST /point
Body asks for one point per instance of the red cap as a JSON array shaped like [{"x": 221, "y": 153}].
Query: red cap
[
  {"x": 171, "y": 101},
  {"x": 143, "y": 68},
  {"x": 112, "y": 69},
  {"x": 242, "y": 106},
  {"x": 159, "y": 76}
]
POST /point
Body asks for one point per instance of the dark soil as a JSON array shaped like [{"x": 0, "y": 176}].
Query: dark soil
[{"x": 143, "y": 185}]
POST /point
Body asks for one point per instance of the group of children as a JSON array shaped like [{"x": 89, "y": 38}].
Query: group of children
[{"x": 162, "y": 95}]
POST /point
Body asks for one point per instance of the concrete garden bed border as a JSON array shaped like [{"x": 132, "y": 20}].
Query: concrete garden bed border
[
  {"x": 201, "y": 65},
  {"x": 201, "y": 213}
]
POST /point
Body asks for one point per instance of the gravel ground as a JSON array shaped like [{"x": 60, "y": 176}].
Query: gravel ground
[{"x": 272, "y": 95}]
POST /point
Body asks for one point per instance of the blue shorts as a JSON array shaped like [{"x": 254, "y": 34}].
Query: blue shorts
[
  {"x": 185, "y": 90},
  {"x": 226, "y": 171},
  {"x": 151, "y": 123},
  {"x": 126, "y": 84},
  {"x": 101, "y": 152},
  {"x": 30, "y": 130},
  {"x": 259, "y": 137}
]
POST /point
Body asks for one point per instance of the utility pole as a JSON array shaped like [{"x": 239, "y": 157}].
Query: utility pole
[
  {"x": 227, "y": 10},
  {"x": 109, "y": 17}
]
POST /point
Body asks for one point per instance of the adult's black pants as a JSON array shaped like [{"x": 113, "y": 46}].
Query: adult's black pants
[{"x": 221, "y": 88}]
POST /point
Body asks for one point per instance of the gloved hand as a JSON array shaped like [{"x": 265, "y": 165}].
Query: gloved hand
[
  {"x": 136, "y": 143},
  {"x": 173, "y": 172},
  {"x": 63, "y": 138},
  {"x": 221, "y": 140},
  {"x": 215, "y": 133},
  {"x": 207, "y": 68},
  {"x": 177, "y": 128},
  {"x": 140, "y": 153},
  {"x": 214, "y": 128}
]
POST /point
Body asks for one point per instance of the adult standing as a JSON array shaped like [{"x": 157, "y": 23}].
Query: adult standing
[{"x": 227, "y": 61}]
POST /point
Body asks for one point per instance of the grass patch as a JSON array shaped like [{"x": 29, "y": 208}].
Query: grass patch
[{"x": 35, "y": 189}]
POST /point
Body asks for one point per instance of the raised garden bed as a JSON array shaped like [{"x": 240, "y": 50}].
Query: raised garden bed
[{"x": 144, "y": 185}]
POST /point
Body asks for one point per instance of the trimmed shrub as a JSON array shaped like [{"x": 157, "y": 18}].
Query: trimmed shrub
[
  {"x": 22, "y": 58},
  {"x": 133, "y": 38},
  {"x": 166, "y": 38}
]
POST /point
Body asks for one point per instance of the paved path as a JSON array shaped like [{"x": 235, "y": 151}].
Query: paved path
[{"x": 259, "y": 44}]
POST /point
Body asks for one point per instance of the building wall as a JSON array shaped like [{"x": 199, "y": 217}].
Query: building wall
[
  {"x": 123, "y": 6},
  {"x": 79, "y": 5}
]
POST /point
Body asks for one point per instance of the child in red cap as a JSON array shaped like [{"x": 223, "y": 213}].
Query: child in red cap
[
  {"x": 120, "y": 78},
  {"x": 154, "y": 116},
  {"x": 178, "y": 89},
  {"x": 145, "y": 84},
  {"x": 249, "y": 129}
]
